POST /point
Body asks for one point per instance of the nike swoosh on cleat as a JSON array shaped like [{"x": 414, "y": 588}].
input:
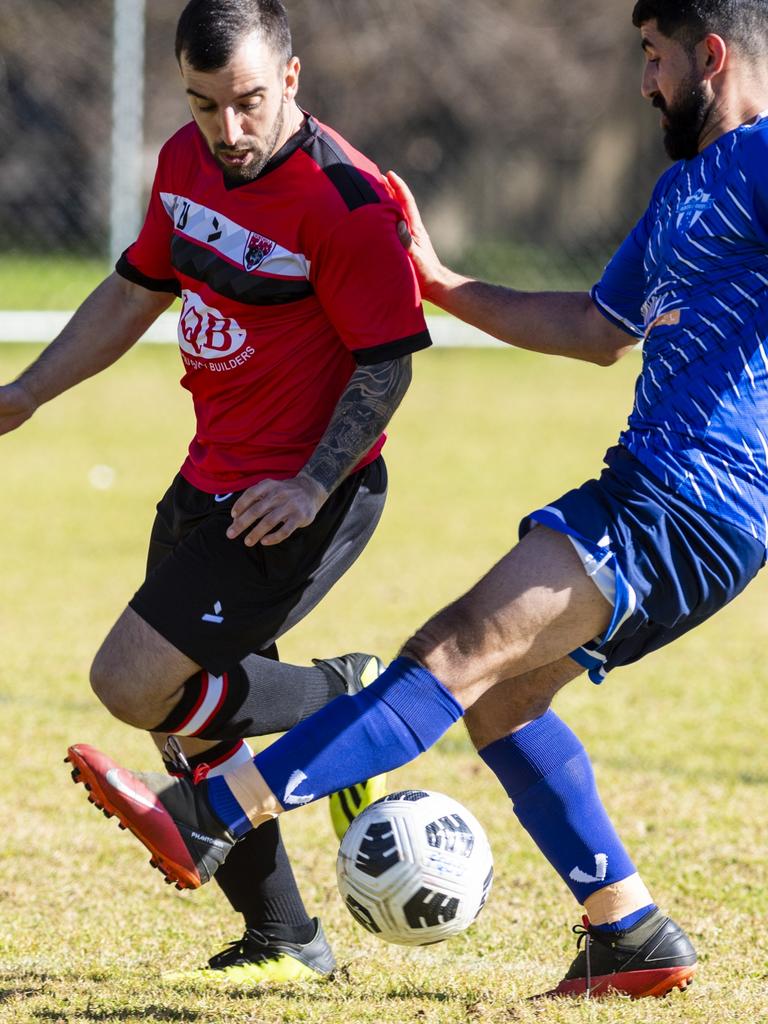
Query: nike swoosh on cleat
[{"x": 116, "y": 782}]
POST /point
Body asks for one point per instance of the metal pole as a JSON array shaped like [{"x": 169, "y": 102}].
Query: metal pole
[{"x": 125, "y": 214}]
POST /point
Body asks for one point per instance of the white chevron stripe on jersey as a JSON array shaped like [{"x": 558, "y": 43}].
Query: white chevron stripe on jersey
[
  {"x": 764, "y": 443},
  {"x": 232, "y": 240},
  {"x": 764, "y": 356},
  {"x": 712, "y": 473},
  {"x": 728, "y": 309}
]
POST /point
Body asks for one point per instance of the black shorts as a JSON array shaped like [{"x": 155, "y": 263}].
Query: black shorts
[{"x": 217, "y": 600}]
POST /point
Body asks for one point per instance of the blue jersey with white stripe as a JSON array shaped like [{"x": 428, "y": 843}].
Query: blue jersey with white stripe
[{"x": 692, "y": 281}]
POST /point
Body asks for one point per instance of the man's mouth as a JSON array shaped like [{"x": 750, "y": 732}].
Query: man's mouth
[{"x": 235, "y": 158}]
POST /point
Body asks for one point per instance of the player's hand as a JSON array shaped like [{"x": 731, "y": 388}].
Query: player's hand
[
  {"x": 277, "y": 507},
  {"x": 414, "y": 236},
  {"x": 16, "y": 406}
]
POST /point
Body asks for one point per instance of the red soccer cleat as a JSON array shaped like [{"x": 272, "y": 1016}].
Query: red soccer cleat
[
  {"x": 651, "y": 958},
  {"x": 171, "y": 817}
]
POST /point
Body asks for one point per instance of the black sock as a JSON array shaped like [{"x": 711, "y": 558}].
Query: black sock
[
  {"x": 258, "y": 880},
  {"x": 255, "y": 698}
]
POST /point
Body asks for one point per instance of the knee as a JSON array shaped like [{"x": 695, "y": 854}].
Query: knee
[
  {"x": 119, "y": 695},
  {"x": 448, "y": 645}
]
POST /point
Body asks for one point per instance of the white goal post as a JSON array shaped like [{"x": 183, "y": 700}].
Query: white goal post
[{"x": 126, "y": 200}]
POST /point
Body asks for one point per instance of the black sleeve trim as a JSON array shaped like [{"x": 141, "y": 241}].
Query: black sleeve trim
[
  {"x": 127, "y": 270},
  {"x": 392, "y": 349},
  {"x": 353, "y": 185}
]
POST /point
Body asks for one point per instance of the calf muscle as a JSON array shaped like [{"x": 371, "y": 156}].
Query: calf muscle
[{"x": 512, "y": 703}]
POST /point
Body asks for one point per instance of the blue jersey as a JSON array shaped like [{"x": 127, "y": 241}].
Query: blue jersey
[{"x": 691, "y": 280}]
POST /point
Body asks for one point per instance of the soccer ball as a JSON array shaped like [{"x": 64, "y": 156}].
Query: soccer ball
[{"x": 415, "y": 868}]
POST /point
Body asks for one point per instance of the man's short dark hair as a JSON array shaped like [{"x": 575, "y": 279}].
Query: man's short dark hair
[
  {"x": 209, "y": 31},
  {"x": 742, "y": 23}
]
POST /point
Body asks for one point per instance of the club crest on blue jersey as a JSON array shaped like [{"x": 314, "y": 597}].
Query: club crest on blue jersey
[
  {"x": 257, "y": 248},
  {"x": 692, "y": 208}
]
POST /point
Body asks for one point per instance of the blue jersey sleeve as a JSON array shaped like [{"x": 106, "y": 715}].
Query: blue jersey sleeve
[{"x": 620, "y": 292}]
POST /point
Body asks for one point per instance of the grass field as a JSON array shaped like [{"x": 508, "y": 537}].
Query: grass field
[
  {"x": 678, "y": 742},
  {"x": 58, "y": 282}
]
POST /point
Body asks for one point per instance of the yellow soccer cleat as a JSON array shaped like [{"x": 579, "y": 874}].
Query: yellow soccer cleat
[
  {"x": 356, "y": 671},
  {"x": 348, "y": 803},
  {"x": 257, "y": 960}
]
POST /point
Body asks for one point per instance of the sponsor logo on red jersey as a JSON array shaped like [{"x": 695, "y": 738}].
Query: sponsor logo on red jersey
[{"x": 204, "y": 333}]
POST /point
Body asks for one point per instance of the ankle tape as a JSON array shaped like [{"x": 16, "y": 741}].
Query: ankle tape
[{"x": 617, "y": 900}]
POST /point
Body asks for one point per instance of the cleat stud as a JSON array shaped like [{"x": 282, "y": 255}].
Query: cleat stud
[
  {"x": 106, "y": 813},
  {"x": 88, "y": 786},
  {"x": 121, "y": 825},
  {"x": 179, "y": 887},
  {"x": 75, "y": 775}
]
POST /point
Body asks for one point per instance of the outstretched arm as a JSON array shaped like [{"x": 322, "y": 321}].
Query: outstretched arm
[
  {"x": 555, "y": 323},
  {"x": 106, "y": 325},
  {"x": 364, "y": 409}
]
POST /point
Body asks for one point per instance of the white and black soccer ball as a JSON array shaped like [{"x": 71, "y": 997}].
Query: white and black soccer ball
[{"x": 414, "y": 868}]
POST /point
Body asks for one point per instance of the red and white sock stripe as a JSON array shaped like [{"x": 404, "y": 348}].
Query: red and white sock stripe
[
  {"x": 213, "y": 691},
  {"x": 233, "y": 758}
]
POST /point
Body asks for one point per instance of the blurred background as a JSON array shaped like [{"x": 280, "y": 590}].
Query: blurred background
[{"x": 519, "y": 126}]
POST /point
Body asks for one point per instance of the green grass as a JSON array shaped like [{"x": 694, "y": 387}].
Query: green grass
[
  {"x": 43, "y": 283},
  {"x": 678, "y": 741}
]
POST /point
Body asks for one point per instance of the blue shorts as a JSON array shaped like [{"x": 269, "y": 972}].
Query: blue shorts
[{"x": 665, "y": 565}]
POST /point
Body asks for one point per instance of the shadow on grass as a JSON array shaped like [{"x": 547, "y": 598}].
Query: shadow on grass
[
  {"x": 289, "y": 993},
  {"x": 127, "y": 1013},
  {"x": 18, "y": 992}
]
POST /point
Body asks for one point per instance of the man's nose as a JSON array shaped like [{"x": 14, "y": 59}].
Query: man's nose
[
  {"x": 650, "y": 86},
  {"x": 231, "y": 130}
]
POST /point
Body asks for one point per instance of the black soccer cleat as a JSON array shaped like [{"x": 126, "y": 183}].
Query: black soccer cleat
[
  {"x": 651, "y": 958},
  {"x": 355, "y": 671},
  {"x": 256, "y": 959},
  {"x": 171, "y": 817}
]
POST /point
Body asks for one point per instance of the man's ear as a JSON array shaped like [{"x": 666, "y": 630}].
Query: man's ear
[
  {"x": 715, "y": 54},
  {"x": 291, "y": 81}
]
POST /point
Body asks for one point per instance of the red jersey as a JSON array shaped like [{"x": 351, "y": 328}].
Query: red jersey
[{"x": 288, "y": 283}]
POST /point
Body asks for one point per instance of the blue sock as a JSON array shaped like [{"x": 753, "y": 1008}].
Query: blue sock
[
  {"x": 548, "y": 776},
  {"x": 382, "y": 727}
]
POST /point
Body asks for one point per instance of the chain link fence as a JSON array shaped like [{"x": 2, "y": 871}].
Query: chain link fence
[{"x": 519, "y": 127}]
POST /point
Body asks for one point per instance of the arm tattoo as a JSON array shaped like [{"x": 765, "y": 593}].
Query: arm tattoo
[{"x": 363, "y": 411}]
